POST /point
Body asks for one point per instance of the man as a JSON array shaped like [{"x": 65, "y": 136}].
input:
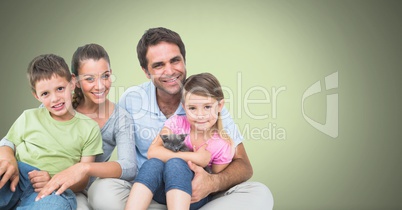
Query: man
[{"x": 162, "y": 57}]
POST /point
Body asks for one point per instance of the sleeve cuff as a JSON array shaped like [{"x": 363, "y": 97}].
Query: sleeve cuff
[{"x": 5, "y": 142}]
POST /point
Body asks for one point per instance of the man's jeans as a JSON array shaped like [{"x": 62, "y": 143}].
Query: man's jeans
[
  {"x": 161, "y": 177},
  {"x": 24, "y": 195}
]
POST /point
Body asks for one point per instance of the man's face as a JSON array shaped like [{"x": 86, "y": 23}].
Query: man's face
[{"x": 166, "y": 68}]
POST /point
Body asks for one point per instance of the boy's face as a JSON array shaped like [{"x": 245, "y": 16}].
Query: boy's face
[{"x": 55, "y": 95}]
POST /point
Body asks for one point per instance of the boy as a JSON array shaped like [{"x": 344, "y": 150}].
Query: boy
[{"x": 49, "y": 139}]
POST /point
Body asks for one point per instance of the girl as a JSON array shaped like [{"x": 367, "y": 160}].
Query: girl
[
  {"x": 91, "y": 67},
  {"x": 166, "y": 177}
]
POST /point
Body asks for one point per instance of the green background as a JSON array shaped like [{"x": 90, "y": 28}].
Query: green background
[{"x": 253, "y": 47}]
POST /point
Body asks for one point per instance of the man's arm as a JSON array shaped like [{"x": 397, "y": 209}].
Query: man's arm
[
  {"x": 238, "y": 171},
  {"x": 8, "y": 167}
]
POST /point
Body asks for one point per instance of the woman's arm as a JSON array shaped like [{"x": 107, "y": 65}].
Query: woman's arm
[
  {"x": 201, "y": 157},
  {"x": 74, "y": 177},
  {"x": 125, "y": 141}
]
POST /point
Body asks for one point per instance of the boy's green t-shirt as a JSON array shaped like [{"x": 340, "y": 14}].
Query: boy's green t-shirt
[{"x": 52, "y": 145}]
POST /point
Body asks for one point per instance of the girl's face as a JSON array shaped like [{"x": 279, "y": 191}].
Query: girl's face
[
  {"x": 202, "y": 111},
  {"x": 94, "y": 80}
]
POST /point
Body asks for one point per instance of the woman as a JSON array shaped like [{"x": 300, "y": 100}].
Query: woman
[{"x": 90, "y": 66}]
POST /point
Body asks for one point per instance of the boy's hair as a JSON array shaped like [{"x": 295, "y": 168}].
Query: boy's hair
[
  {"x": 154, "y": 36},
  {"x": 83, "y": 53},
  {"x": 207, "y": 85},
  {"x": 44, "y": 67}
]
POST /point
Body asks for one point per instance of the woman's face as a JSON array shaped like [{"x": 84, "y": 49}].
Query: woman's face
[{"x": 94, "y": 80}]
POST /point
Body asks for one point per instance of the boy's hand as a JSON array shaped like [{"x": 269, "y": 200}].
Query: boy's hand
[
  {"x": 9, "y": 171},
  {"x": 39, "y": 179}
]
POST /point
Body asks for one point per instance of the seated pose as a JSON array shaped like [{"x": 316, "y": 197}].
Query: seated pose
[
  {"x": 162, "y": 56},
  {"x": 166, "y": 177},
  {"x": 51, "y": 139},
  {"x": 90, "y": 65}
]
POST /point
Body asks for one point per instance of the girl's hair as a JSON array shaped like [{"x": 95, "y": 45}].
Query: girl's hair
[
  {"x": 83, "y": 53},
  {"x": 207, "y": 85},
  {"x": 45, "y": 67}
]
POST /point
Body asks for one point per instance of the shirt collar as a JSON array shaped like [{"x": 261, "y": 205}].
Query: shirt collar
[{"x": 154, "y": 108}]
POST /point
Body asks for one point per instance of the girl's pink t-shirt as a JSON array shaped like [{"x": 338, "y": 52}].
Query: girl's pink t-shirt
[{"x": 221, "y": 151}]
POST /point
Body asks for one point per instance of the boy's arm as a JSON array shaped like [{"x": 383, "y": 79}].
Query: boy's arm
[
  {"x": 239, "y": 170},
  {"x": 8, "y": 167}
]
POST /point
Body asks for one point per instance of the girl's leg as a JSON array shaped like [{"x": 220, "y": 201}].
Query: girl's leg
[
  {"x": 178, "y": 199},
  {"x": 177, "y": 176},
  {"x": 202, "y": 202},
  {"x": 140, "y": 197},
  {"x": 147, "y": 182}
]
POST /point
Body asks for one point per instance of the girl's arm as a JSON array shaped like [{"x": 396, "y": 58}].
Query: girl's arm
[
  {"x": 216, "y": 168},
  {"x": 201, "y": 157}
]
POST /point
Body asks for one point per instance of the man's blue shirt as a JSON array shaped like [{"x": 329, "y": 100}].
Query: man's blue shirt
[{"x": 140, "y": 101}]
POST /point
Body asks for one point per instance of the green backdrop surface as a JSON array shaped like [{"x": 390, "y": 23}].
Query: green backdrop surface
[{"x": 314, "y": 86}]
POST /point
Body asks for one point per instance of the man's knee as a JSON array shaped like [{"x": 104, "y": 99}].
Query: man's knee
[{"x": 261, "y": 193}]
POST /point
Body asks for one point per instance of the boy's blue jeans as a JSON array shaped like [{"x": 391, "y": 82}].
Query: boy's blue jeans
[
  {"x": 24, "y": 195},
  {"x": 161, "y": 177}
]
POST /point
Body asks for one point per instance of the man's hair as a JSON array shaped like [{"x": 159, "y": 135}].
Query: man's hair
[
  {"x": 44, "y": 67},
  {"x": 154, "y": 36}
]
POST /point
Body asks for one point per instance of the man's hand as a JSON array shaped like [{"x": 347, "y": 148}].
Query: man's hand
[
  {"x": 39, "y": 179},
  {"x": 202, "y": 184},
  {"x": 9, "y": 172}
]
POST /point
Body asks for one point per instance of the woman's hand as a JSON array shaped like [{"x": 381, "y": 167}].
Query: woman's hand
[{"x": 64, "y": 180}]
